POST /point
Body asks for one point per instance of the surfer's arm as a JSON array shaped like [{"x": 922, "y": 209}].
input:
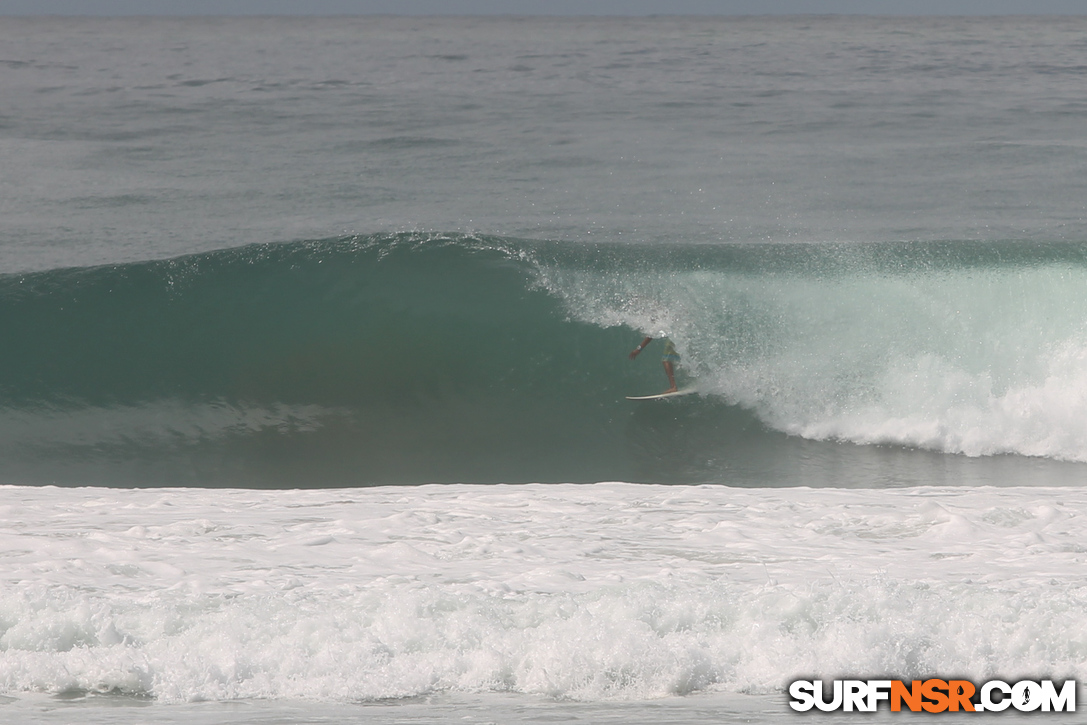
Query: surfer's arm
[{"x": 635, "y": 351}]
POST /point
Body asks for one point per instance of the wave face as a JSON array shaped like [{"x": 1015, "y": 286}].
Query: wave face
[{"x": 413, "y": 358}]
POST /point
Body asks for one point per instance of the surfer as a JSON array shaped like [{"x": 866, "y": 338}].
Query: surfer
[{"x": 670, "y": 358}]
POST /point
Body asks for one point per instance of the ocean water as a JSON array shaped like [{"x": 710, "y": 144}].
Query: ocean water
[{"x": 312, "y": 400}]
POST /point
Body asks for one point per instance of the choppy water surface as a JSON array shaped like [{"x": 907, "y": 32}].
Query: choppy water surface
[
  {"x": 253, "y": 272},
  {"x": 606, "y": 592},
  {"x": 138, "y": 138}
]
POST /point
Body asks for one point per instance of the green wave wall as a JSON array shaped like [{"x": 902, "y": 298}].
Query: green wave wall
[
  {"x": 416, "y": 358},
  {"x": 353, "y": 361}
]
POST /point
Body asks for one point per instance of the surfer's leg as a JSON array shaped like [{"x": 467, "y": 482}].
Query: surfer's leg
[{"x": 671, "y": 373}]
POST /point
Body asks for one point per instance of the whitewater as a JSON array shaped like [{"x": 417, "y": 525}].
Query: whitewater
[
  {"x": 582, "y": 593},
  {"x": 316, "y": 334}
]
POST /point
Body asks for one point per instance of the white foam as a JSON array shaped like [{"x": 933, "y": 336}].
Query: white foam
[
  {"x": 586, "y": 592},
  {"x": 975, "y": 361},
  {"x": 931, "y": 404}
]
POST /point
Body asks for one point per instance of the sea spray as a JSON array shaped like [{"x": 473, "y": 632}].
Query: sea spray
[{"x": 429, "y": 357}]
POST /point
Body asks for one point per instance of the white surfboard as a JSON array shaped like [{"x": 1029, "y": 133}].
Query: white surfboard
[{"x": 663, "y": 396}]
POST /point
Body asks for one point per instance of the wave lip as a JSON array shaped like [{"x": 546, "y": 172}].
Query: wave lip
[
  {"x": 957, "y": 347},
  {"x": 442, "y": 358}
]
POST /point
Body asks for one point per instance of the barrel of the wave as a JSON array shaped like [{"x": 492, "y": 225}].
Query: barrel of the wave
[{"x": 356, "y": 361}]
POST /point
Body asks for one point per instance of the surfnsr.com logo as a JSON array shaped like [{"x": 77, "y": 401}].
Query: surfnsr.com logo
[{"x": 934, "y": 695}]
